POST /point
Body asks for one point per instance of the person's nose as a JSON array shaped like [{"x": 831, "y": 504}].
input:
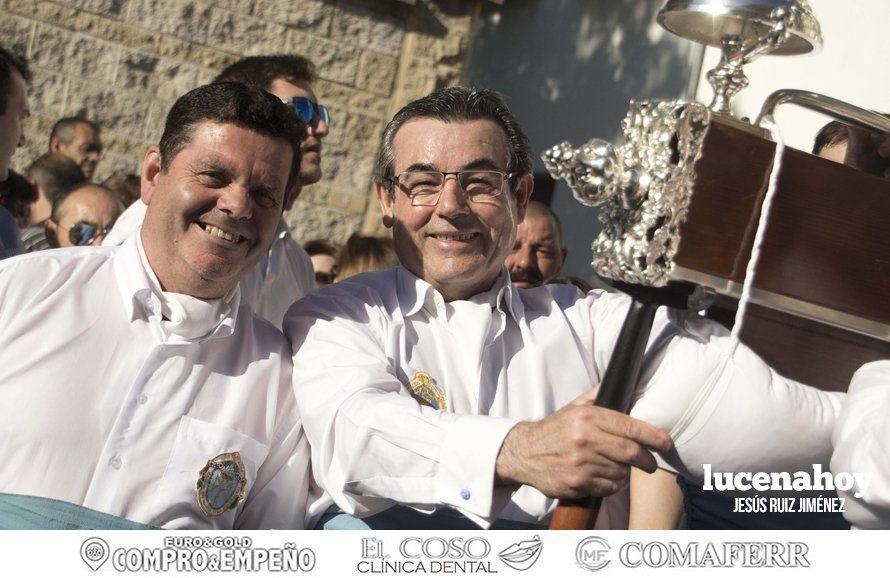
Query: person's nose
[
  {"x": 235, "y": 201},
  {"x": 527, "y": 257},
  {"x": 452, "y": 200},
  {"x": 318, "y": 127},
  {"x": 522, "y": 258}
]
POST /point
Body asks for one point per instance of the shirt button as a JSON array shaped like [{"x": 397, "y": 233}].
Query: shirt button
[
  {"x": 116, "y": 463},
  {"x": 143, "y": 399},
  {"x": 465, "y": 494}
]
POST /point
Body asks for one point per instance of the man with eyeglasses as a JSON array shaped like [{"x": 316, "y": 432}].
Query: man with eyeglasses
[
  {"x": 285, "y": 273},
  {"x": 82, "y": 216},
  {"x": 439, "y": 386}
]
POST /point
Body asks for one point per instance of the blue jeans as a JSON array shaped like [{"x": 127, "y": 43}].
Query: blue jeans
[{"x": 19, "y": 512}]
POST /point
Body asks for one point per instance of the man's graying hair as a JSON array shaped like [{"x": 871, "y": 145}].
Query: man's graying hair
[
  {"x": 458, "y": 104},
  {"x": 244, "y": 106}
]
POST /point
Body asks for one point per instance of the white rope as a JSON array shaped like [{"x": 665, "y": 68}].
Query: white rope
[
  {"x": 773, "y": 128},
  {"x": 726, "y": 361}
]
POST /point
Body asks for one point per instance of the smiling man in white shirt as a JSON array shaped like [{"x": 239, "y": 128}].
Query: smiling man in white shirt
[
  {"x": 441, "y": 386},
  {"x": 285, "y": 273},
  {"x": 135, "y": 381}
]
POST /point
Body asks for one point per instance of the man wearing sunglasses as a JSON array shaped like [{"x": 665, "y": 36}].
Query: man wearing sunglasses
[
  {"x": 82, "y": 216},
  {"x": 441, "y": 386},
  {"x": 285, "y": 274}
]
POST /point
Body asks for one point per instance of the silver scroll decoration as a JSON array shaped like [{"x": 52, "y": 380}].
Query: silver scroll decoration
[{"x": 643, "y": 187}]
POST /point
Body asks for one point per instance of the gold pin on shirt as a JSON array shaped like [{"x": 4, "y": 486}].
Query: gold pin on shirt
[{"x": 423, "y": 388}]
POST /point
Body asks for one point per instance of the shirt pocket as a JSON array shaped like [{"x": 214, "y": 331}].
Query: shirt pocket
[{"x": 235, "y": 457}]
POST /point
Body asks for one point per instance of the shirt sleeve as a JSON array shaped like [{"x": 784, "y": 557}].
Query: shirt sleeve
[
  {"x": 372, "y": 444},
  {"x": 862, "y": 447},
  {"x": 724, "y": 406},
  {"x": 279, "y": 496}
]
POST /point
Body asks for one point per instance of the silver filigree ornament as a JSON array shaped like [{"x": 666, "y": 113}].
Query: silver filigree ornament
[{"x": 643, "y": 187}]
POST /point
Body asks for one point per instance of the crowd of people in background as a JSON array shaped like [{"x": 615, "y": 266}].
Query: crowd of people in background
[{"x": 55, "y": 202}]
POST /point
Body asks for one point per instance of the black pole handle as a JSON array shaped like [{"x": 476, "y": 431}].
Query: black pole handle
[
  {"x": 616, "y": 392},
  {"x": 623, "y": 371}
]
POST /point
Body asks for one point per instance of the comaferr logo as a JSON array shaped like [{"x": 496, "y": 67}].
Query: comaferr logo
[
  {"x": 593, "y": 553},
  {"x": 714, "y": 555}
]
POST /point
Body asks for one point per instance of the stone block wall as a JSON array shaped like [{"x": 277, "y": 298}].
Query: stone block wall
[{"x": 122, "y": 63}]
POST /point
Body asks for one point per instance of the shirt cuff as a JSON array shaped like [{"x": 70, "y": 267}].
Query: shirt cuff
[{"x": 467, "y": 462}]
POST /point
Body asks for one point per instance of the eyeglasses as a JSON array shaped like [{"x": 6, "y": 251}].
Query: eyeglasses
[
  {"x": 425, "y": 187},
  {"x": 83, "y": 233},
  {"x": 308, "y": 110}
]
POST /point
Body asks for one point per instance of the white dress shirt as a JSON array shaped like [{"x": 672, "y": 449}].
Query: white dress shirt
[
  {"x": 104, "y": 404},
  {"x": 862, "y": 444},
  {"x": 508, "y": 355},
  {"x": 282, "y": 276}
]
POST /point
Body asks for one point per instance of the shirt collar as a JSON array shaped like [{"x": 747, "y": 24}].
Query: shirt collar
[
  {"x": 134, "y": 279},
  {"x": 131, "y": 277},
  {"x": 414, "y": 294},
  {"x": 283, "y": 231},
  {"x": 276, "y": 249}
]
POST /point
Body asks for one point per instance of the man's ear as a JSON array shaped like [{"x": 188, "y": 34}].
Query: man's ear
[
  {"x": 52, "y": 233},
  {"x": 55, "y": 144},
  {"x": 292, "y": 196},
  {"x": 151, "y": 169},
  {"x": 386, "y": 204},
  {"x": 522, "y": 194}
]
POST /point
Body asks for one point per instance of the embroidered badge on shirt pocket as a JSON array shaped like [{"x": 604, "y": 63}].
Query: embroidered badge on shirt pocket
[
  {"x": 210, "y": 470},
  {"x": 221, "y": 484}
]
